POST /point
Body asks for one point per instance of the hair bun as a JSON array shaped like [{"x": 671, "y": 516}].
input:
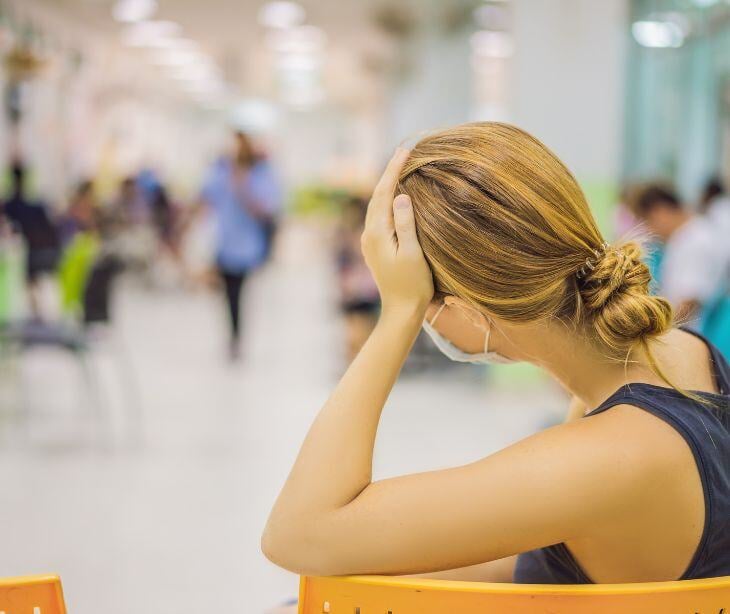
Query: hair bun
[{"x": 615, "y": 293}]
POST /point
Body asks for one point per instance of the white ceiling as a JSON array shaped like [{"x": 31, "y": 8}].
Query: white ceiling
[{"x": 229, "y": 32}]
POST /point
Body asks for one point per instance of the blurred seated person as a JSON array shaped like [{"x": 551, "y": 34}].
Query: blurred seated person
[
  {"x": 715, "y": 206},
  {"x": 713, "y": 191},
  {"x": 120, "y": 214},
  {"x": 694, "y": 264},
  {"x": 164, "y": 216},
  {"x": 82, "y": 214},
  {"x": 30, "y": 218},
  {"x": 360, "y": 300}
]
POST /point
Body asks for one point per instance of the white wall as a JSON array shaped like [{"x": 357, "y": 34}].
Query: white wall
[{"x": 568, "y": 79}]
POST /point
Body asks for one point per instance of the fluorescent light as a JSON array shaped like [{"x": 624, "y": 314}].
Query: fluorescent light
[
  {"x": 151, "y": 33},
  {"x": 492, "y": 44},
  {"x": 303, "y": 39},
  {"x": 490, "y": 16},
  {"x": 281, "y": 14},
  {"x": 130, "y": 11},
  {"x": 658, "y": 34},
  {"x": 298, "y": 63},
  {"x": 254, "y": 115}
]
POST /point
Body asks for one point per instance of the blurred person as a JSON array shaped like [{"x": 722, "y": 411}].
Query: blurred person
[
  {"x": 694, "y": 264},
  {"x": 715, "y": 204},
  {"x": 238, "y": 203},
  {"x": 268, "y": 188},
  {"x": 624, "y": 219},
  {"x": 714, "y": 189},
  {"x": 489, "y": 244},
  {"x": 82, "y": 214},
  {"x": 124, "y": 209},
  {"x": 31, "y": 219},
  {"x": 129, "y": 223},
  {"x": 359, "y": 299},
  {"x": 164, "y": 216}
]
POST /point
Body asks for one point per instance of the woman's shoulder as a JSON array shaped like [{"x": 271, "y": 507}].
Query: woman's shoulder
[{"x": 626, "y": 445}]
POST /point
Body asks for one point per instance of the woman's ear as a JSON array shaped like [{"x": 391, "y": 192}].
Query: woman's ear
[{"x": 470, "y": 313}]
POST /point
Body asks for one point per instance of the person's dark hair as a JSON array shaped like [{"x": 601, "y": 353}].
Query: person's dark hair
[
  {"x": 17, "y": 174},
  {"x": 245, "y": 154},
  {"x": 713, "y": 188},
  {"x": 655, "y": 195},
  {"x": 83, "y": 189},
  {"x": 160, "y": 199}
]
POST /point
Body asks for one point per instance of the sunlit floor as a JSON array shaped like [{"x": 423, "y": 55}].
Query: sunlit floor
[{"x": 170, "y": 522}]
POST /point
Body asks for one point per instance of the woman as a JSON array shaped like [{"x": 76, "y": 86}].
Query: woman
[{"x": 490, "y": 244}]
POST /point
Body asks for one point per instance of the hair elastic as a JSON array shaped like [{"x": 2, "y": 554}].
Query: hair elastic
[{"x": 590, "y": 263}]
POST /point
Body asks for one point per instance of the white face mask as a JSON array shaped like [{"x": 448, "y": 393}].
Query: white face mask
[{"x": 454, "y": 353}]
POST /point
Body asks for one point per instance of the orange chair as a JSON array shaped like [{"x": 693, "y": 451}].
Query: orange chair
[
  {"x": 384, "y": 595},
  {"x": 31, "y": 595}
]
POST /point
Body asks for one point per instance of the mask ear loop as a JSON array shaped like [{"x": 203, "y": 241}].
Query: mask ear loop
[
  {"x": 486, "y": 336},
  {"x": 437, "y": 314}
]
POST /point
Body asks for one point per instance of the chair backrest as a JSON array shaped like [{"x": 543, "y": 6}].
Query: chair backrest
[
  {"x": 74, "y": 269},
  {"x": 31, "y": 595},
  {"x": 381, "y": 595}
]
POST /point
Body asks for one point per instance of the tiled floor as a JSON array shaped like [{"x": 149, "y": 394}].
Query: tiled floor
[{"x": 171, "y": 525}]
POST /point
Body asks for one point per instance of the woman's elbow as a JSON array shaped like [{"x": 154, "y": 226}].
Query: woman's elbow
[{"x": 297, "y": 553}]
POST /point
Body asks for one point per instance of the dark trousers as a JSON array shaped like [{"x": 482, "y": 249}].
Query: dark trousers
[{"x": 233, "y": 285}]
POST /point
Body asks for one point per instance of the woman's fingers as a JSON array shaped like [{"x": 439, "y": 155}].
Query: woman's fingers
[
  {"x": 379, "y": 209},
  {"x": 405, "y": 224}
]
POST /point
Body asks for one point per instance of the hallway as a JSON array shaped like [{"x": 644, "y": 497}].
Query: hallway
[{"x": 172, "y": 525}]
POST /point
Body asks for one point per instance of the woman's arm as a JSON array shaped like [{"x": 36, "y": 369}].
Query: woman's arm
[
  {"x": 335, "y": 461},
  {"x": 330, "y": 518}
]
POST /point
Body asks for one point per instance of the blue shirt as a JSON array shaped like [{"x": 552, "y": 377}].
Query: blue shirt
[{"x": 240, "y": 239}]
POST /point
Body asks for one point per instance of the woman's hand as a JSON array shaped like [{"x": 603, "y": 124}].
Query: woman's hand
[{"x": 391, "y": 249}]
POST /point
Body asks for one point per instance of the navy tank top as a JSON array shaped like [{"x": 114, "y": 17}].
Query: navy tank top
[{"x": 706, "y": 429}]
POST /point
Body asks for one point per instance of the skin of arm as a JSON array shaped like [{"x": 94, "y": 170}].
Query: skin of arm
[
  {"x": 576, "y": 409},
  {"x": 332, "y": 519}
]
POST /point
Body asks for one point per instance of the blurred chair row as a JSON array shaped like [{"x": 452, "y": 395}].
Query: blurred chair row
[{"x": 85, "y": 276}]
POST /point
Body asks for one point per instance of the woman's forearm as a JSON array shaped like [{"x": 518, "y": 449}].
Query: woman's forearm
[{"x": 335, "y": 462}]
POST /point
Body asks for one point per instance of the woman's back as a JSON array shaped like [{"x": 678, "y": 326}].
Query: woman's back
[
  {"x": 685, "y": 532},
  {"x": 491, "y": 246}
]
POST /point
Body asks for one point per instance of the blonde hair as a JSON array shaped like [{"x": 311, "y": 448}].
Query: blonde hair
[{"x": 505, "y": 226}]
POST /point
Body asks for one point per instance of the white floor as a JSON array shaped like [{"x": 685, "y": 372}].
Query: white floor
[{"x": 172, "y": 525}]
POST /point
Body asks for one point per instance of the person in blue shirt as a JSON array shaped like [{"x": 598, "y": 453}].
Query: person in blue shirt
[
  {"x": 240, "y": 204},
  {"x": 266, "y": 183}
]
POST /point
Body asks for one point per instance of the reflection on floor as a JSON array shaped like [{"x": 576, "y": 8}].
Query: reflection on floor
[{"x": 172, "y": 524}]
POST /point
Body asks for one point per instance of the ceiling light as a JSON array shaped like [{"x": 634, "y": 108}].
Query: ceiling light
[
  {"x": 281, "y": 14},
  {"x": 491, "y": 17},
  {"x": 130, "y": 11},
  {"x": 658, "y": 34},
  {"x": 151, "y": 33},
  {"x": 303, "y": 39},
  {"x": 253, "y": 115},
  {"x": 492, "y": 44}
]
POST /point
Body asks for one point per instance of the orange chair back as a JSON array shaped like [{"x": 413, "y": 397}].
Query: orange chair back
[
  {"x": 383, "y": 595},
  {"x": 31, "y": 595}
]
